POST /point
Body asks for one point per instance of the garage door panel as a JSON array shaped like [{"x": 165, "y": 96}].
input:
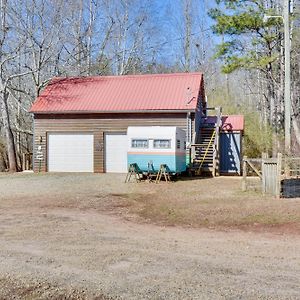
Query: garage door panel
[
  {"x": 70, "y": 152},
  {"x": 116, "y": 152}
]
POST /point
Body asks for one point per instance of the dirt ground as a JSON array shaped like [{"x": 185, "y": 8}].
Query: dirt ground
[{"x": 89, "y": 236}]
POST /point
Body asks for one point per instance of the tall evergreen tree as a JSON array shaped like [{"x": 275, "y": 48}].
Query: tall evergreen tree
[{"x": 251, "y": 43}]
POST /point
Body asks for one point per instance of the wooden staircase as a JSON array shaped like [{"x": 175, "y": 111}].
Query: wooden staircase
[
  {"x": 205, "y": 153},
  {"x": 203, "y": 161}
]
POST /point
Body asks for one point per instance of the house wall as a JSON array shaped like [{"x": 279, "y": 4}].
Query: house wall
[
  {"x": 230, "y": 152},
  {"x": 99, "y": 124}
]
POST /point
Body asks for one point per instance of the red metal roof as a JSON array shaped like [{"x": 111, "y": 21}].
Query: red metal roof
[
  {"x": 121, "y": 93},
  {"x": 229, "y": 123}
]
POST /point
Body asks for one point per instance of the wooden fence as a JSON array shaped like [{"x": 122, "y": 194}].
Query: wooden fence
[
  {"x": 278, "y": 176},
  {"x": 290, "y": 184},
  {"x": 271, "y": 175},
  {"x": 268, "y": 170},
  {"x": 291, "y": 167}
]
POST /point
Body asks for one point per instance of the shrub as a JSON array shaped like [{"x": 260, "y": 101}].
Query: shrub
[{"x": 258, "y": 137}]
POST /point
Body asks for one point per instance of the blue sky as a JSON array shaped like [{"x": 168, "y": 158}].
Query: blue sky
[{"x": 169, "y": 16}]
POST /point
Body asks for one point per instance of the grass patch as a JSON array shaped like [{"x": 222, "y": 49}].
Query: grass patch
[{"x": 213, "y": 203}]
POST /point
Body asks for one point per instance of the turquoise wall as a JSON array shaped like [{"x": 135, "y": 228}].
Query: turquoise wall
[{"x": 176, "y": 163}]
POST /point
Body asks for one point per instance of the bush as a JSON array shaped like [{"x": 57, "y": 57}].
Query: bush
[{"x": 258, "y": 137}]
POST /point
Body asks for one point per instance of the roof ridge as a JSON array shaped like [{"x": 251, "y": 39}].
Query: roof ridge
[{"x": 131, "y": 76}]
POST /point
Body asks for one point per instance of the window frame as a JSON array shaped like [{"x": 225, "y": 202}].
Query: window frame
[
  {"x": 139, "y": 140},
  {"x": 160, "y": 140}
]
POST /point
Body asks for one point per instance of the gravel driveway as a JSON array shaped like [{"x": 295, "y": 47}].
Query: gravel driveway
[{"x": 50, "y": 249}]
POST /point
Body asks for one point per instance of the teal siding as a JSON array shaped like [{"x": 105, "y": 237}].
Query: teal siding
[
  {"x": 176, "y": 163},
  {"x": 181, "y": 163}
]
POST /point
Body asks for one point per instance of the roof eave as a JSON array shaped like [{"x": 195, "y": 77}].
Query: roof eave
[{"x": 114, "y": 111}]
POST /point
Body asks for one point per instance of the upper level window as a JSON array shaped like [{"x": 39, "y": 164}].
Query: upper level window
[
  {"x": 139, "y": 143},
  {"x": 162, "y": 144}
]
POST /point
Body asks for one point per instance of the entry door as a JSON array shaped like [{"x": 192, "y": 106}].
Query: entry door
[
  {"x": 70, "y": 152},
  {"x": 116, "y": 152}
]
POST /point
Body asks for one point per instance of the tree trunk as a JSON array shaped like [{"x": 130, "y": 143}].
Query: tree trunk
[
  {"x": 2, "y": 163},
  {"x": 296, "y": 129},
  {"x": 10, "y": 143},
  {"x": 188, "y": 32}
]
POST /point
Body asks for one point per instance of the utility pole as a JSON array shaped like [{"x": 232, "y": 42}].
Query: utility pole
[
  {"x": 287, "y": 8},
  {"x": 287, "y": 80}
]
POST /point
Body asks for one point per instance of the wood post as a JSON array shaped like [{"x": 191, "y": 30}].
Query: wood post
[
  {"x": 278, "y": 182},
  {"x": 264, "y": 156},
  {"x": 287, "y": 168},
  {"x": 28, "y": 162},
  {"x": 244, "y": 182},
  {"x": 216, "y": 157},
  {"x": 192, "y": 153},
  {"x": 23, "y": 162}
]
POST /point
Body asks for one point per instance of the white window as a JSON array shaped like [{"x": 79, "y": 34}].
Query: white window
[
  {"x": 162, "y": 144},
  {"x": 139, "y": 143}
]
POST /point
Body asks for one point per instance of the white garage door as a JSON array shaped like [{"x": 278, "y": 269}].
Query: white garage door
[
  {"x": 70, "y": 152},
  {"x": 116, "y": 153}
]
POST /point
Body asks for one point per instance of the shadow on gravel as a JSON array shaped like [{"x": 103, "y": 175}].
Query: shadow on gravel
[{"x": 12, "y": 289}]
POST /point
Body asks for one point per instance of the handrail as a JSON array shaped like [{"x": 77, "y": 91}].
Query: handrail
[{"x": 206, "y": 151}]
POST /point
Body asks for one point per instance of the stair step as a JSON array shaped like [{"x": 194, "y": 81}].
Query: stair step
[
  {"x": 204, "y": 153},
  {"x": 203, "y": 148},
  {"x": 199, "y": 160},
  {"x": 196, "y": 159},
  {"x": 211, "y": 153}
]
